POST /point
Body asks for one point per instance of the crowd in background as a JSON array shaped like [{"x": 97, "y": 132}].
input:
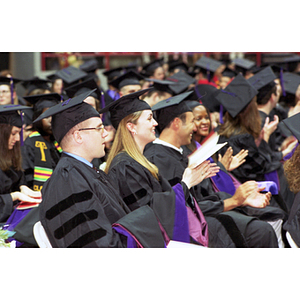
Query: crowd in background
[{"x": 245, "y": 195}]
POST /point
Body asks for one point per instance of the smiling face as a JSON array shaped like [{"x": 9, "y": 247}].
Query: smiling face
[
  {"x": 14, "y": 137},
  {"x": 202, "y": 121},
  {"x": 144, "y": 129},
  {"x": 5, "y": 94},
  {"x": 187, "y": 128}
]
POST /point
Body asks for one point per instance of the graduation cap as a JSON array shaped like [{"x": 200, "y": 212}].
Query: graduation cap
[
  {"x": 292, "y": 124},
  {"x": 129, "y": 78},
  {"x": 7, "y": 80},
  {"x": 208, "y": 64},
  {"x": 290, "y": 82},
  {"x": 207, "y": 93},
  {"x": 229, "y": 73},
  {"x": 125, "y": 106},
  {"x": 151, "y": 66},
  {"x": 182, "y": 82},
  {"x": 176, "y": 64},
  {"x": 264, "y": 77},
  {"x": 69, "y": 113},
  {"x": 84, "y": 86},
  {"x": 168, "y": 109},
  {"x": 90, "y": 65},
  {"x": 70, "y": 75},
  {"x": 243, "y": 65},
  {"x": 263, "y": 81},
  {"x": 43, "y": 101},
  {"x": 9, "y": 114},
  {"x": 237, "y": 95},
  {"x": 112, "y": 74},
  {"x": 35, "y": 83},
  {"x": 10, "y": 81},
  {"x": 161, "y": 85},
  {"x": 53, "y": 77},
  {"x": 13, "y": 115}
]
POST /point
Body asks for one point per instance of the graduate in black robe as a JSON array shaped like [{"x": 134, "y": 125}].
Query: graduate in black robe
[
  {"x": 245, "y": 231},
  {"x": 13, "y": 187},
  {"x": 242, "y": 130},
  {"x": 40, "y": 152},
  {"x": 139, "y": 182},
  {"x": 80, "y": 206}
]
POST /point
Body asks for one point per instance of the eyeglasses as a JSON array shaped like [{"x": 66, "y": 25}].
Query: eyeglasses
[{"x": 101, "y": 127}]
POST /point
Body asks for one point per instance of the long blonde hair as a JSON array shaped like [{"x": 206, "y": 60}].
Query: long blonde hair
[{"x": 124, "y": 141}]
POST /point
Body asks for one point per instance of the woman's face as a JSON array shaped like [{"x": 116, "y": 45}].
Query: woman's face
[
  {"x": 145, "y": 128},
  {"x": 47, "y": 127},
  {"x": 202, "y": 121},
  {"x": 14, "y": 137},
  {"x": 57, "y": 86}
]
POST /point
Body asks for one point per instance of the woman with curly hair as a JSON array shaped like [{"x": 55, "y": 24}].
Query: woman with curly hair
[{"x": 291, "y": 170}]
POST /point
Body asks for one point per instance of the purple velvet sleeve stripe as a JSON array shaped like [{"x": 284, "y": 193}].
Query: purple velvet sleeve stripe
[
  {"x": 270, "y": 186},
  {"x": 273, "y": 176},
  {"x": 181, "y": 227},
  {"x": 131, "y": 241}
]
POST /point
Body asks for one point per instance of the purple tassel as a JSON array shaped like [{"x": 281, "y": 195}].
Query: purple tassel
[
  {"x": 66, "y": 102},
  {"x": 221, "y": 114},
  {"x": 281, "y": 82},
  {"x": 12, "y": 90},
  {"x": 229, "y": 93}
]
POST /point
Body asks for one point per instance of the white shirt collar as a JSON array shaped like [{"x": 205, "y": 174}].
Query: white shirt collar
[{"x": 158, "y": 141}]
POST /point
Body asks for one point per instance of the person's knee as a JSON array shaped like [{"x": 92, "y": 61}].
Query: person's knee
[{"x": 260, "y": 234}]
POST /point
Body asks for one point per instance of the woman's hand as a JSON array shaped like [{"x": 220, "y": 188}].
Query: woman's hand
[
  {"x": 22, "y": 197},
  {"x": 29, "y": 192},
  {"x": 232, "y": 162}
]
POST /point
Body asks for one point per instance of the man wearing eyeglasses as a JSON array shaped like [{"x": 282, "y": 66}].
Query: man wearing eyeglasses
[{"x": 80, "y": 207}]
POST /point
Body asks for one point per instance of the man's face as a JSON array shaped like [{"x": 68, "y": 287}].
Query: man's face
[
  {"x": 185, "y": 133},
  {"x": 5, "y": 94},
  {"x": 159, "y": 73},
  {"x": 128, "y": 89},
  {"x": 94, "y": 139}
]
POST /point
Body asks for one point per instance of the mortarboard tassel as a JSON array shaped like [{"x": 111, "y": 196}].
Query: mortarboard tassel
[{"x": 221, "y": 114}]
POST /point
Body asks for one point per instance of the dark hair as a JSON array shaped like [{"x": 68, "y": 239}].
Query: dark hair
[
  {"x": 264, "y": 96},
  {"x": 9, "y": 158},
  {"x": 247, "y": 121}
]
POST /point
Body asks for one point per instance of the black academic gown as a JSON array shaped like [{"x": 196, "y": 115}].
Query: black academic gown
[
  {"x": 292, "y": 225},
  {"x": 275, "y": 139},
  {"x": 138, "y": 187},
  {"x": 80, "y": 208},
  {"x": 245, "y": 231},
  {"x": 259, "y": 162},
  {"x": 32, "y": 157},
  {"x": 10, "y": 181}
]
